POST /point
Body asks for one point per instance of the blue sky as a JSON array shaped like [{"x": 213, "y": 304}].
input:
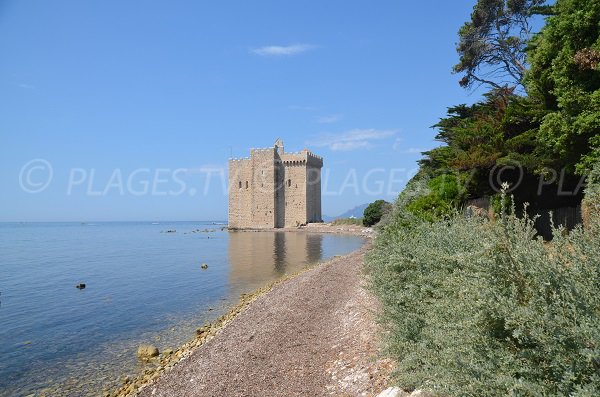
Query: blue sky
[{"x": 137, "y": 105}]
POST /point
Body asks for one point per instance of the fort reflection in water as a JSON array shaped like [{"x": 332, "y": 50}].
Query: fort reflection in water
[{"x": 258, "y": 256}]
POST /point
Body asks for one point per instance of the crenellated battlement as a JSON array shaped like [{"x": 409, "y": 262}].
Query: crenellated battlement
[{"x": 266, "y": 149}]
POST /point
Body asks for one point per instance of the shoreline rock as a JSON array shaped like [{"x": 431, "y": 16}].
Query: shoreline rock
[{"x": 146, "y": 352}]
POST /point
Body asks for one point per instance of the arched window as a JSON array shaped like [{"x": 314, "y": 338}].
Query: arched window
[{"x": 289, "y": 182}]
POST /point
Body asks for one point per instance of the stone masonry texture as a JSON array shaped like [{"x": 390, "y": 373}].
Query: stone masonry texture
[{"x": 274, "y": 189}]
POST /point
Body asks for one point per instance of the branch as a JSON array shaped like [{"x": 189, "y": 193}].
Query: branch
[{"x": 484, "y": 81}]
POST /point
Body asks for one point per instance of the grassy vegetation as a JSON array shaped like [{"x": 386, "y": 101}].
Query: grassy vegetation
[{"x": 348, "y": 221}]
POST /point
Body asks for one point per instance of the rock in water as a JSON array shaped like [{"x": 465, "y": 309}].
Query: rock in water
[
  {"x": 204, "y": 266},
  {"x": 146, "y": 352},
  {"x": 202, "y": 330},
  {"x": 80, "y": 286}
]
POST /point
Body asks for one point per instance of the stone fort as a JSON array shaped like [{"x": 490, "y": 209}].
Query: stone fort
[{"x": 274, "y": 189}]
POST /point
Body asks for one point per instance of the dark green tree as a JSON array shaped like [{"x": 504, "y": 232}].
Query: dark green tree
[
  {"x": 375, "y": 211},
  {"x": 565, "y": 77}
]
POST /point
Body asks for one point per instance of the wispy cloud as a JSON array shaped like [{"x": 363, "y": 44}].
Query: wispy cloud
[
  {"x": 332, "y": 118},
  {"x": 26, "y": 86},
  {"x": 398, "y": 145},
  {"x": 277, "y": 50},
  {"x": 351, "y": 140}
]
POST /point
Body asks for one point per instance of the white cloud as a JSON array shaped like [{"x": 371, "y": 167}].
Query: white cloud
[
  {"x": 276, "y": 50},
  {"x": 349, "y": 145},
  {"x": 397, "y": 143},
  {"x": 332, "y": 118},
  {"x": 351, "y": 140},
  {"x": 26, "y": 86}
]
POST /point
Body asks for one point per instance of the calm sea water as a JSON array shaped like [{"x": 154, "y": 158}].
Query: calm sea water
[{"x": 142, "y": 285}]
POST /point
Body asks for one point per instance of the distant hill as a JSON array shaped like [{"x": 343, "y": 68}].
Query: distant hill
[{"x": 356, "y": 212}]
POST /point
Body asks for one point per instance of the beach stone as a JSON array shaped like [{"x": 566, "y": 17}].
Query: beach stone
[
  {"x": 393, "y": 392},
  {"x": 202, "y": 330},
  {"x": 145, "y": 352},
  {"x": 167, "y": 352}
]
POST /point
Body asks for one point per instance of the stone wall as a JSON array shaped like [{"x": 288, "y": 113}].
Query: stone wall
[
  {"x": 240, "y": 199},
  {"x": 274, "y": 189},
  {"x": 262, "y": 188},
  {"x": 294, "y": 188}
]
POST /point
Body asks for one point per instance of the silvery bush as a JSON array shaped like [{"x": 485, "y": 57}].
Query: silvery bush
[{"x": 480, "y": 308}]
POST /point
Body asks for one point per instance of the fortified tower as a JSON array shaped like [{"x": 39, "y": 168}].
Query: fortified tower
[{"x": 273, "y": 189}]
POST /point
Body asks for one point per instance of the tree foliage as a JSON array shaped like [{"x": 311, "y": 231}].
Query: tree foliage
[
  {"x": 375, "y": 211},
  {"x": 565, "y": 77},
  {"x": 492, "y": 44},
  {"x": 555, "y": 128}
]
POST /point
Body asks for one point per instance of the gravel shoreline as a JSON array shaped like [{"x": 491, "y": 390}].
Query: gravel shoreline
[{"x": 310, "y": 334}]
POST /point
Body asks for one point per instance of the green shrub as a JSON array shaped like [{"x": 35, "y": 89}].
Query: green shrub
[
  {"x": 448, "y": 187},
  {"x": 375, "y": 211},
  {"x": 430, "y": 207},
  {"x": 480, "y": 308},
  {"x": 436, "y": 198}
]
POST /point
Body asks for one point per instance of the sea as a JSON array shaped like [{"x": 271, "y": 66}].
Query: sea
[{"x": 144, "y": 283}]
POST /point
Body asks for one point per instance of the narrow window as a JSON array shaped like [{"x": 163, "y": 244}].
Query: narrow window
[
  {"x": 240, "y": 184},
  {"x": 246, "y": 184},
  {"x": 289, "y": 182}
]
